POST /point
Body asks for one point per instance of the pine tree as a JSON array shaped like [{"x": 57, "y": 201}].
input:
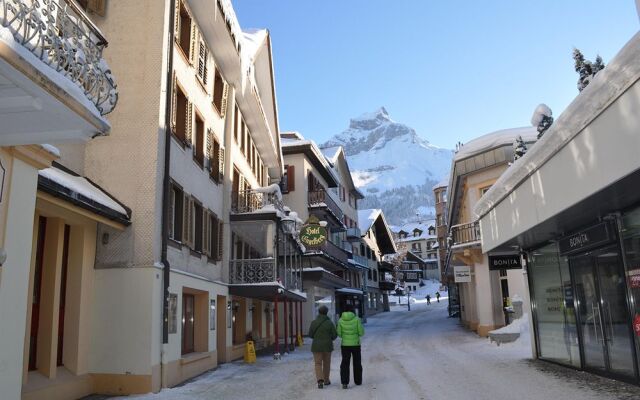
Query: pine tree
[
  {"x": 586, "y": 69},
  {"x": 542, "y": 119},
  {"x": 520, "y": 148}
]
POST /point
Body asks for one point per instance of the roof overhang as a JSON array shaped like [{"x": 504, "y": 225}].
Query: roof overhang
[
  {"x": 591, "y": 149},
  {"x": 316, "y": 158}
]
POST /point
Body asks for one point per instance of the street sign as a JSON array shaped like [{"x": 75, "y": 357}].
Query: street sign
[
  {"x": 312, "y": 234},
  {"x": 462, "y": 274}
]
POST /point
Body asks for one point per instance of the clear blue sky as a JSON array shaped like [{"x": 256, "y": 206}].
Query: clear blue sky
[{"x": 452, "y": 70}]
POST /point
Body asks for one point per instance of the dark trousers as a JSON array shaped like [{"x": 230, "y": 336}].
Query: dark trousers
[{"x": 347, "y": 352}]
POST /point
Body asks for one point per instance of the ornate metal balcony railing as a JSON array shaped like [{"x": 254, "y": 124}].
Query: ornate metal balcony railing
[
  {"x": 59, "y": 34},
  {"x": 248, "y": 201},
  {"x": 253, "y": 271},
  {"x": 320, "y": 198},
  {"x": 466, "y": 233}
]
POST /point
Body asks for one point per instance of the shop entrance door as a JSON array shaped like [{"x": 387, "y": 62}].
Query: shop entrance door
[{"x": 603, "y": 316}]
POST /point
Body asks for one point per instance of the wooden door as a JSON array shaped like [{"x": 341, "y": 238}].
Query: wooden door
[
  {"x": 188, "y": 319},
  {"x": 63, "y": 293},
  {"x": 35, "y": 297},
  {"x": 221, "y": 331}
]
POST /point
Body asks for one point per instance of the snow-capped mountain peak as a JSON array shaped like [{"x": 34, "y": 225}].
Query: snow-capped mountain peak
[
  {"x": 393, "y": 166},
  {"x": 368, "y": 121}
]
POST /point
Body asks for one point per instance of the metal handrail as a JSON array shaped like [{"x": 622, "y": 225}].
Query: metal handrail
[
  {"x": 466, "y": 233},
  {"x": 248, "y": 201},
  {"x": 62, "y": 37}
]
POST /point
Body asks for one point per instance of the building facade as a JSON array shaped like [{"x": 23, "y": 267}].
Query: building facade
[
  {"x": 581, "y": 245},
  {"x": 54, "y": 88},
  {"x": 420, "y": 239},
  {"x": 485, "y": 291},
  {"x": 377, "y": 242}
]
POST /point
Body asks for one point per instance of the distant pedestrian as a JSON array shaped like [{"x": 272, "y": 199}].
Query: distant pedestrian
[
  {"x": 428, "y": 299},
  {"x": 438, "y": 296},
  {"x": 350, "y": 330},
  {"x": 323, "y": 332}
]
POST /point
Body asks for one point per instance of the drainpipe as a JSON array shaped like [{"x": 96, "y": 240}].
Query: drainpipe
[{"x": 165, "y": 188}]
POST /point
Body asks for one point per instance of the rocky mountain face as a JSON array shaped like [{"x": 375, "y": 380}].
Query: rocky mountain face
[{"x": 394, "y": 167}]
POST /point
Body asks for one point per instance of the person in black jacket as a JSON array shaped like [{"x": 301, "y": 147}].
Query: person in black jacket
[{"x": 323, "y": 332}]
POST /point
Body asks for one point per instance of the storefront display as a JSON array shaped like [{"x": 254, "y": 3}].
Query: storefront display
[{"x": 554, "y": 309}]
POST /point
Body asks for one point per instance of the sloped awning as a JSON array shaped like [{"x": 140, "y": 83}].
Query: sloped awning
[
  {"x": 266, "y": 291},
  {"x": 66, "y": 185}
]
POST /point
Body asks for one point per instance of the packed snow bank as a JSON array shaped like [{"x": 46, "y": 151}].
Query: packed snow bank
[{"x": 520, "y": 325}]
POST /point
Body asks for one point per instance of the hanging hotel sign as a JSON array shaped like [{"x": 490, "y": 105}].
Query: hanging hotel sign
[
  {"x": 504, "y": 261},
  {"x": 586, "y": 239},
  {"x": 312, "y": 234},
  {"x": 462, "y": 274}
]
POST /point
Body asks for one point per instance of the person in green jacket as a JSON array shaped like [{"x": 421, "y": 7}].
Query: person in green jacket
[
  {"x": 323, "y": 333},
  {"x": 350, "y": 330}
]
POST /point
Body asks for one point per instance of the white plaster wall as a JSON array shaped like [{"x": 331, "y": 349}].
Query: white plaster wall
[
  {"x": 297, "y": 200},
  {"x": 123, "y": 324},
  {"x": 14, "y": 285},
  {"x": 602, "y": 153},
  {"x": 483, "y": 293},
  {"x": 178, "y": 282}
]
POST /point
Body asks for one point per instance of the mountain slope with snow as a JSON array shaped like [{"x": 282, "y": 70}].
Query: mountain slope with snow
[{"x": 394, "y": 167}]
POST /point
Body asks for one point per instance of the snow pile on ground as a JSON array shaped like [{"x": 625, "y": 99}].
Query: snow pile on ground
[{"x": 520, "y": 325}]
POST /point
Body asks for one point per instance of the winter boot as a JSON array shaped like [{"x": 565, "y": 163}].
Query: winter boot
[
  {"x": 345, "y": 386},
  {"x": 320, "y": 384},
  {"x": 327, "y": 383}
]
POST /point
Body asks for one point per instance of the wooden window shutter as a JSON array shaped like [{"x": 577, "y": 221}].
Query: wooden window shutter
[
  {"x": 291, "y": 178},
  {"x": 174, "y": 102},
  {"x": 205, "y": 232},
  {"x": 225, "y": 100},
  {"x": 186, "y": 218},
  {"x": 176, "y": 23},
  {"x": 172, "y": 205},
  {"x": 220, "y": 240},
  {"x": 221, "y": 164},
  {"x": 192, "y": 226},
  {"x": 98, "y": 7},
  {"x": 189, "y": 127},
  {"x": 209, "y": 150},
  {"x": 193, "y": 56},
  {"x": 203, "y": 56}
]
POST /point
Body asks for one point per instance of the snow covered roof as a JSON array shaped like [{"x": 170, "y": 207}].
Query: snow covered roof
[
  {"x": 442, "y": 184},
  {"x": 82, "y": 191},
  {"x": 331, "y": 152},
  {"x": 253, "y": 41},
  {"x": 605, "y": 88},
  {"x": 495, "y": 139},
  {"x": 366, "y": 218},
  {"x": 410, "y": 227},
  {"x": 294, "y": 142}
]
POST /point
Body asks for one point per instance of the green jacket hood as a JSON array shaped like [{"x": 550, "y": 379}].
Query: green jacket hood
[{"x": 347, "y": 315}]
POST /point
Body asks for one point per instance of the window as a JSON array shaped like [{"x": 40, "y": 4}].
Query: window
[
  {"x": 173, "y": 313},
  {"x": 215, "y": 237},
  {"x": 197, "y": 226},
  {"x": 216, "y": 160},
  {"x": 181, "y": 114},
  {"x": 218, "y": 91},
  {"x": 183, "y": 30},
  {"x": 212, "y": 314},
  {"x": 188, "y": 322},
  {"x": 288, "y": 180},
  {"x": 375, "y": 275},
  {"x": 177, "y": 208},
  {"x": 243, "y": 137},
  {"x": 198, "y": 147}
]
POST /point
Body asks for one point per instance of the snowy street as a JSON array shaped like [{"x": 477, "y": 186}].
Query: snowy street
[{"x": 420, "y": 354}]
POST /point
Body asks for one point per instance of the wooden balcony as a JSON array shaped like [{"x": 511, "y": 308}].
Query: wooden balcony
[
  {"x": 324, "y": 207},
  {"x": 251, "y": 201}
]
